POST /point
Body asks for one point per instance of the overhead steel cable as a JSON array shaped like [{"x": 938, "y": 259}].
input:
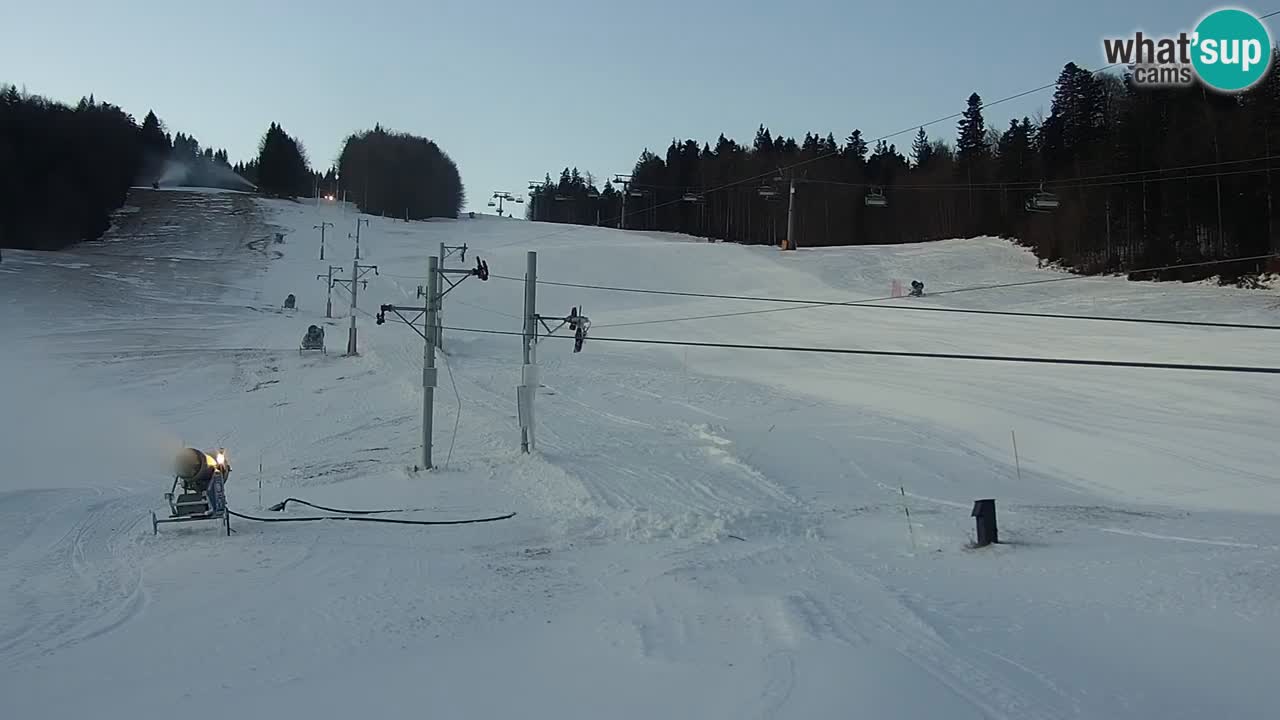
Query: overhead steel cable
[
  {"x": 806, "y": 161},
  {"x": 832, "y": 153},
  {"x": 1069, "y": 183},
  {"x": 909, "y": 354},
  {"x": 801, "y": 304}
]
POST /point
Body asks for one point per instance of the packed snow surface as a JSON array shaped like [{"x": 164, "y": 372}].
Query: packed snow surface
[{"x": 700, "y": 532}]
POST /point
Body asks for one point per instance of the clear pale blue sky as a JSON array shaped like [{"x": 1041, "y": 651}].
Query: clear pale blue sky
[{"x": 513, "y": 89}]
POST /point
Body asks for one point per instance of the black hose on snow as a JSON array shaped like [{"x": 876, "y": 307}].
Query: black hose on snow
[
  {"x": 374, "y": 520},
  {"x": 281, "y": 505}
]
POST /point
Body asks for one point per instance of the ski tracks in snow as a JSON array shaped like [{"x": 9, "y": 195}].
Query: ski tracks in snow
[
  {"x": 801, "y": 612},
  {"x": 93, "y": 569}
]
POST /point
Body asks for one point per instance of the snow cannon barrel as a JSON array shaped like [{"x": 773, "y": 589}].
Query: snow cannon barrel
[{"x": 194, "y": 467}]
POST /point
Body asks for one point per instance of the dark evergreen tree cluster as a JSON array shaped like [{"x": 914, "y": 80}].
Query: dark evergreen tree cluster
[
  {"x": 281, "y": 167},
  {"x": 63, "y": 170},
  {"x": 247, "y": 170},
  {"x": 180, "y": 161},
  {"x": 327, "y": 183},
  {"x": 573, "y": 199},
  {"x": 1144, "y": 177},
  {"x": 399, "y": 175}
]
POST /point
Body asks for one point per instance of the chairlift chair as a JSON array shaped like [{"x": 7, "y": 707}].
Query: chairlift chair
[
  {"x": 1042, "y": 201},
  {"x": 492, "y": 204},
  {"x": 875, "y": 198},
  {"x": 692, "y": 197}
]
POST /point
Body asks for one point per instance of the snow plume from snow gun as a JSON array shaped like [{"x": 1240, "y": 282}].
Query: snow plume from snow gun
[
  {"x": 57, "y": 431},
  {"x": 200, "y": 172}
]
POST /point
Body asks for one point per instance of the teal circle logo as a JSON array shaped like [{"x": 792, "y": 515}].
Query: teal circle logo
[{"x": 1232, "y": 50}]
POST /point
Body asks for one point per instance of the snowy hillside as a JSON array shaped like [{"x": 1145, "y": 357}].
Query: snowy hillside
[{"x": 710, "y": 533}]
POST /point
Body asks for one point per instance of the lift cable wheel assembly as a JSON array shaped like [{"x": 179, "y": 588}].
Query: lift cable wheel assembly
[
  {"x": 481, "y": 270},
  {"x": 576, "y": 322}
]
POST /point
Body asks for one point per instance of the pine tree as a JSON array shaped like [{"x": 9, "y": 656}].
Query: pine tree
[
  {"x": 152, "y": 134},
  {"x": 764, "y": 141},
  {"x": 855, "y": 147},
  {"x": 282, "y": 165},
  {"x": 971, "y": 142},
  {"x": 1015, "y": 152},
  {"x": 921, "y": 150}
]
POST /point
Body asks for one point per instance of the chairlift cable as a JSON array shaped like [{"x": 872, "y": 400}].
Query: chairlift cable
[
  {"x": 907, "y": 354},
  {"x": 800, "y": 163},
  {"x": 801, "y": 304}
]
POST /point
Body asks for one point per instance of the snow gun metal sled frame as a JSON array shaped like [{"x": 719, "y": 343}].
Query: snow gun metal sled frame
[{"x": 203, "y": 478}]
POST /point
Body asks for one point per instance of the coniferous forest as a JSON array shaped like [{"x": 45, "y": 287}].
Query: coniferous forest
[
  {"x": 1143, "y": 177},
  {"x": 400, "y": 175},
  {"x": 64, "y": 170}
]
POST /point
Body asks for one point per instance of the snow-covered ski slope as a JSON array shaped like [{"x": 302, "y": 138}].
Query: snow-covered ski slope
[{"x": 700, "y": 533}]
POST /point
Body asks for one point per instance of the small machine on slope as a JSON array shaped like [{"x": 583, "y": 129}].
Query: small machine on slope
[
  {"x": 203, "y": 477},
  {"x": 313, "y": 340}
]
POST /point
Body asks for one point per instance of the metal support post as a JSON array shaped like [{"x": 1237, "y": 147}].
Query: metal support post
[
  {"x": 439, "y": 340},
  {"x": 429, "y": 360},
  {"x": 355, "y": 281},
  {"x": 439, "y": 295},
  {"x": 328, "y": 295},
  {"x": 528, "y": 375},
  {"x": 622, "y": 218},
  {"x": 359, "y": 222},
  {"x": 321, "y": 227},
  {"x": 355, "y": 284},
  {"x": 791, "y": 217},
  {"x": 433, "y": 291}
]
